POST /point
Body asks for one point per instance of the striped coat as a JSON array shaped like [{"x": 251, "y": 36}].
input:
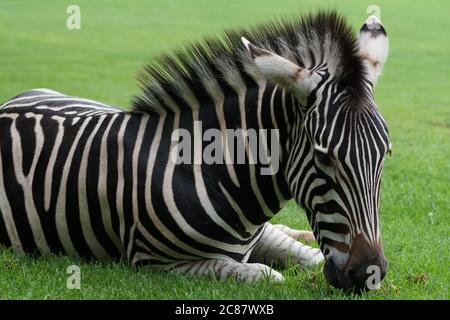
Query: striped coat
[{"x": 83, "y": 178}]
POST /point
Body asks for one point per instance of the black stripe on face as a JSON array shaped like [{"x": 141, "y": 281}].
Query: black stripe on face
[
  {"x": 335, "y": 227},
  {"x": 338, "y": 245}
]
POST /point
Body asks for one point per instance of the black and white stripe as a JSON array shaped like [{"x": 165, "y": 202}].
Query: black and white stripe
[{"x": 83, "y": 178}]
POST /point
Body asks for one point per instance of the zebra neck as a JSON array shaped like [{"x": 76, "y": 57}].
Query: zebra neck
[
  {"x": 245, "y": 189},
  {"x": 268, "y": 108}
]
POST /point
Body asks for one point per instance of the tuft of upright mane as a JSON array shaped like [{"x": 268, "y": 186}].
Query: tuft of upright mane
[{"x": 310, "y": 41}]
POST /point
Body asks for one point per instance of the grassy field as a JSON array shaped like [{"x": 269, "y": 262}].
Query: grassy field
[{"x": 116, "y": 38}]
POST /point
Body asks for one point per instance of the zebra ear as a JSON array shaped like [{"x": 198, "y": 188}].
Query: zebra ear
[
  {"x": 373, "y": 47},
  {"x": 280, "y": 70}
]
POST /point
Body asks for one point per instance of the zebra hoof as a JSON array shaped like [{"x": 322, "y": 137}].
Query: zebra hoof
[
  {"x": 316, "y": 258},
  {"x": 268, "y": 274},
  {"x": 305, "y": 236}
]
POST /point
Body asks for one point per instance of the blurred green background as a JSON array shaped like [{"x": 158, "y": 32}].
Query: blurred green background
[{"x": 117, "y": 37}]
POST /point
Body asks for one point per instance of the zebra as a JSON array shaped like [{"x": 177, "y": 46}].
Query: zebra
[{"x": 87, "y": 179}]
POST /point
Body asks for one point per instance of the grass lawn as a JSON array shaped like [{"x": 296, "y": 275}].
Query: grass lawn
[{"x": 117, "y": 37}]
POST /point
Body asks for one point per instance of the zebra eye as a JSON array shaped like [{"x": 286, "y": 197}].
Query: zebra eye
[{"x": 324, "y": 158}]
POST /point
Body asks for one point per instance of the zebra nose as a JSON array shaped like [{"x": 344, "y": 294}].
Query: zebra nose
[
  {"x": 367, "y": 274},
  {"x": 366, "y": 265}
]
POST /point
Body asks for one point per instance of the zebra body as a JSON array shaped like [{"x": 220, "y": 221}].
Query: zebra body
[
  {"x": 84, "y": 178},
  {"x": 91, "y": 185},
  {"x": 46, "y": 139}
]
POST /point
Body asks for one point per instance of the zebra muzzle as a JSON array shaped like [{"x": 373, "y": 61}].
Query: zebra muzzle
[{"x": 364, "y": 269}]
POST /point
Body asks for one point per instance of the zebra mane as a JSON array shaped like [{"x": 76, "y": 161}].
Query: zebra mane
[{"x": 195, "y": 73}]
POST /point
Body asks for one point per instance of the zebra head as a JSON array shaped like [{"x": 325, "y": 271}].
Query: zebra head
[{"x": 339, "y": 141}]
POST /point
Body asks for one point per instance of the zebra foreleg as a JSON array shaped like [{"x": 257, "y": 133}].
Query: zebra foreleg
[
  {"x": 277, "y": 247},
  {"x": 222, "y": 269},
  {"x": 300, "y": 235}
]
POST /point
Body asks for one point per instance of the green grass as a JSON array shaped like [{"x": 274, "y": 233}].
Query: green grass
[{"x": 100, "y": 61}]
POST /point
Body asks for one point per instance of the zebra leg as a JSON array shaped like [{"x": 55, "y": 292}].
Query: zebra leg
[
  {"x": 300, "y": 235},
  {"x": 222, "y": 269},
  {"x": 277, "y": 247}
]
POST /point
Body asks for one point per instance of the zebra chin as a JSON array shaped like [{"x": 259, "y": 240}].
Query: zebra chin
[{"x": 338, "y": 279}]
